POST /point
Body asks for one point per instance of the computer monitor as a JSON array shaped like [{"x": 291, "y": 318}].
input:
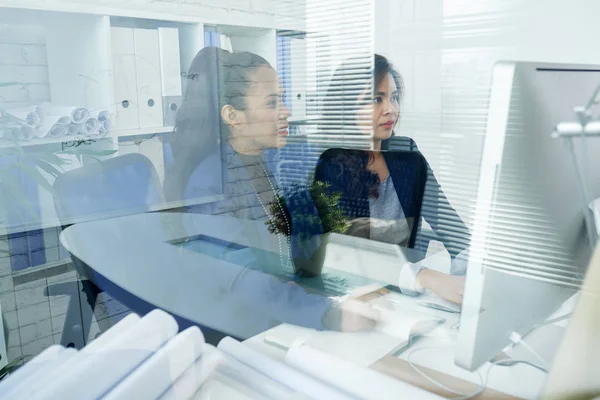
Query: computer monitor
[{"x": 529, "y": 247}]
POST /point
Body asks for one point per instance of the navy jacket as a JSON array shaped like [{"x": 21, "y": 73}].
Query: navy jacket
[{"x": 418, "y": 191}]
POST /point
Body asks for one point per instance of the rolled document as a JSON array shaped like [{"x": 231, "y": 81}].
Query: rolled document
[
  {"x": 54, "y": 116},
  {"x": 157, "y": 374},
  {"x": 54, "y": 366},
  {"x": 102, "y": 115},
  {"x": 104, "y": 120},
  {"x": 21, "y": 386},
  {"x": 361, "y": 382},
  {"x": 27, "y": 132},
  {"x": 195, "y": 375},
  {"x": 113, "y": 333},
  {"x": 20, "y": 376},
  {"x": 27, "y": 115},
  {"x": 73, "y": 129},
  {"x": 232, "y": 370},
  {"x": 91, "y": 374},
  {"x": 79, "y": 115},
  {"x": 280, "y": 372},
  {"x": 58, "y": 130},
  {"x": 90, "y": 127},
  {"x": 74, "y": 114},
  {"x": 54, "y": 120},
  {"x": 33, "y": 118},
  {"x": 105, "y": 126}
]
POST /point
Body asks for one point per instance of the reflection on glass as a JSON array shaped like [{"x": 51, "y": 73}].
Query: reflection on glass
[{"x": 382, "y": 191}]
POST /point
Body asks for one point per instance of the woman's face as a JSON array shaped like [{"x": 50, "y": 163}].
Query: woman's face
[
  {"x": 385, "y": 109},
  {"x": 263, "y": 123}
]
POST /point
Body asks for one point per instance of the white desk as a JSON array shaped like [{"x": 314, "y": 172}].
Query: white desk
[
  {"x": 133, "y": 252},
  {"x": 435, "y": 351}
]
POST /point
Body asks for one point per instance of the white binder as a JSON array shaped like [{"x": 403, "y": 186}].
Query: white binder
[
  {"x": 148, "y": 76},
  {"x": 124, "y": 75},
  {"x": 170, "y": 61},
  {"x": 170, "y": 64}
]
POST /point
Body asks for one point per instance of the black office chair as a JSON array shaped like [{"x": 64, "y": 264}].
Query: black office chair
[{"x": 118, "y": 186}]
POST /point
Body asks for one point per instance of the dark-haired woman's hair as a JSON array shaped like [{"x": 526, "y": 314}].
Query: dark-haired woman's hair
[
  {"x": 348, "y": 83},
  {"x": 216, "y": 78},
  {"x": 340, "y": 106}
]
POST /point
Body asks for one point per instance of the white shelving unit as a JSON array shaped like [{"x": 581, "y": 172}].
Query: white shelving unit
[
  {"x": 137, "y": 133},
  {"x": 80, "y": 52},
  {"x": 255, "y": 40},
  {"x": 81, "y": 59}
]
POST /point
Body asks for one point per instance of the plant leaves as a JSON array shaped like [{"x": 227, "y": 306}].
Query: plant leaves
[
  {"x": 19, "y": 205},
  {"x": 52, "y": 158},
  {"x": 12, "y": 366},
  {"x": 49, "y": 168},
  {"x": 35, "y": 174}
]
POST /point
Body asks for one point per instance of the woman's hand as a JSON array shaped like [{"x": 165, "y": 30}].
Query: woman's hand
[
  {"x": 448, "y": 287},
  {"x": 358, "y": 316}
]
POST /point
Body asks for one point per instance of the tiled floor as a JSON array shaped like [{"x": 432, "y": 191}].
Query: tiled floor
[{"x": 33, "y": 320}]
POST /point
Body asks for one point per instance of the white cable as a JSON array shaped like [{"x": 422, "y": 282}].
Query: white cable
[
  {"x": 482, "y": 381},
  {"x": 438, "y": 384},
  {"x": 509, "y": 362},
  {"x": 553, "y": 320},
  {"x": 516, "y": 339},
  {"x": 487, "y": 375}
]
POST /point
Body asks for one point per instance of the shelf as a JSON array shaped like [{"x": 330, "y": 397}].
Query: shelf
[
  {"x": 140, "y": 133},
  {"x": 7, "y": 143}
]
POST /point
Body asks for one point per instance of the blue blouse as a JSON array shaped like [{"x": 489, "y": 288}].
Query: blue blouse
[{"x": 388, "y": 222}]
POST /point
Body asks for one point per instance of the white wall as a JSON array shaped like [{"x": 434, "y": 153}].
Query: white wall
[
  {"x": 23, "y": 65},
  {"x": 446, "y": 50},
  {"x": 281, "y": 14}
]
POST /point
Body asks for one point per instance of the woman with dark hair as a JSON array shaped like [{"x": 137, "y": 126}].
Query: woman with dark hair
[
  {"x": 232, "y": 112},
  {"x": 377, "y": 186}
]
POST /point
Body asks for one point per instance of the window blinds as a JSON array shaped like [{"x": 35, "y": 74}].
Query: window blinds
[
  {"x": 342, "y": 34},
  {"x": 446, "y": 52},
  {"x": 323, "y": 107}
]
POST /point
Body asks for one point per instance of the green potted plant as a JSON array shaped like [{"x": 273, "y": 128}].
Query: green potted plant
[{"x": 312, "y": 212}]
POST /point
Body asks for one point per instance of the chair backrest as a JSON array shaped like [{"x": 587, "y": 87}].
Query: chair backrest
[{"x": 118, "y": 186}]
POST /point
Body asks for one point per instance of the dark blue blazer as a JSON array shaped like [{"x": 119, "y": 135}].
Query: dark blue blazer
[{"x": 415, "y": 186}]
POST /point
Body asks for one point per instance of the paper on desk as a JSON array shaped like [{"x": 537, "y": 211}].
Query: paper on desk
[
  {"x": 361, "y": 348},
  {"x": 400, "y": 323},
  {"x": 362, "y": 382}
]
